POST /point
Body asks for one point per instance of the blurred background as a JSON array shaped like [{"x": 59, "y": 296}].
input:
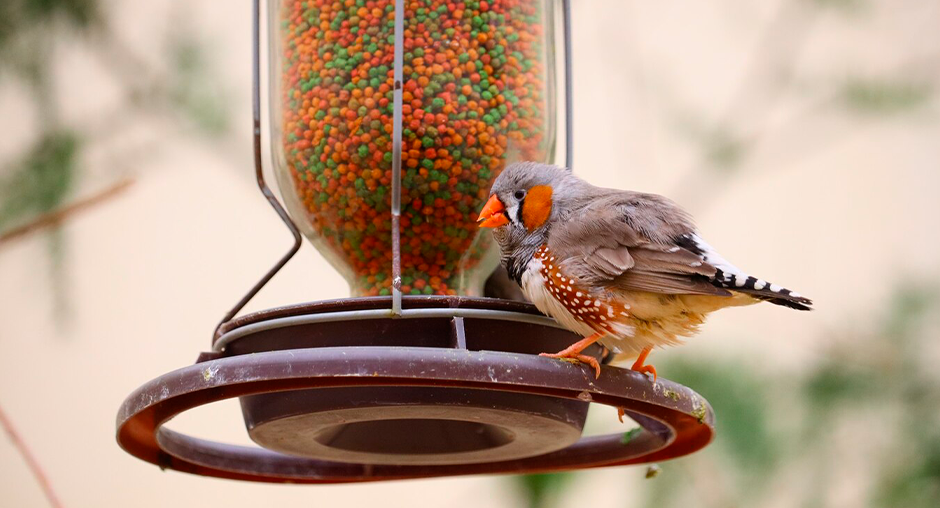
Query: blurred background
[{"x": 804, "y": 135}]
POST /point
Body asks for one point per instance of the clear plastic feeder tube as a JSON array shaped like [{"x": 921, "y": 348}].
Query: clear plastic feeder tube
[{"x": 475, "y": 86}]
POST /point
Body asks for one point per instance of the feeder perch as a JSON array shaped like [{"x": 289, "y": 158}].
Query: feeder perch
[{"x": 390, "y": 119}]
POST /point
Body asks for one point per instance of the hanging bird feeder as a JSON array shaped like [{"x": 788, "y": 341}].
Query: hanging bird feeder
[{"x": 389, "y": 121}]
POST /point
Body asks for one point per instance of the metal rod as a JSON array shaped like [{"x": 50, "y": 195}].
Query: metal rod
[
  {"x": 259, "y": 170},
  {"x": 396, "y": 155},
  {"x": 350, "y": 315},
  {"x": 569, "y": 94},
  {"x": 458, "y": 333}
]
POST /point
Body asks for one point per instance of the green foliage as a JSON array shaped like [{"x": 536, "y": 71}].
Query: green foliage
[
  {"x": 723, "y": 150},
  {"x": 742, "y": 402},
  {"x": 846, "y": 378},
  {"x": 540, "y": 489},
  {"x": 746, "y": 442},
  {"x": 193, "y": 89},
  {"x": 915, "y": 484},
  {"x": 850, "y": 6},
  {"x": 20, "y": 16},
  {"x": 883, "y": 97},
  {"x": 41, "y": 178},
  {"x": 907, "y": 308},
  {"x": 629, "y": 435},
  {"x": 42, "y": 181},
  {"x": 79, "y": 13},
  {"x": 835, "y": 383},
  {"x": 911, "y": 475},
  {"x": 877, "y": 372},
  {"x": 660, "y": 493}
]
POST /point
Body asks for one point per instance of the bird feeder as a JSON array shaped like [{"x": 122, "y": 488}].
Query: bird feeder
[{"x": 389, "y": 121}]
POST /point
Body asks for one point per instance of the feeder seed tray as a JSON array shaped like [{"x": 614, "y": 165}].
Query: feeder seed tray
[{"x": 341, "y": 391}]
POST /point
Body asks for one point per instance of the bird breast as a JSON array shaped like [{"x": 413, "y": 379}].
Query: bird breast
[{"x": 573, "y": 306}]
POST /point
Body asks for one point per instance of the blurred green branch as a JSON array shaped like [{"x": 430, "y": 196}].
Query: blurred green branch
[
  {"x": 876, "y": 373},
  {"x": 541, "y": 490},
  {"x": 37, "y": 185},
  {"x": 41, "y": 181},
  {"x": 884, "y": 97},
  {"x": 773, "y": 426},
  {"x": 46, "y": 175},
  {"x": 58, "y": 216}
]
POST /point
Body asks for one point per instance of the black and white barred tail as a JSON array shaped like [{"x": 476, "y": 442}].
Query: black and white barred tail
[
  {"x": 762, "y": 290},
  {"x": 728, "y": 276}
]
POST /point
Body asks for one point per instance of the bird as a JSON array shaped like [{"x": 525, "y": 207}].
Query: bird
[{"x": 628, "y": 270}]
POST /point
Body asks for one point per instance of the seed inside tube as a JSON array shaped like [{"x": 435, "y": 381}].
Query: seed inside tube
[{"x": 474, "y": 92}]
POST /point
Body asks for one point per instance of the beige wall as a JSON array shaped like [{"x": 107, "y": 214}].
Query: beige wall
[{"x": 837, "y": 207}]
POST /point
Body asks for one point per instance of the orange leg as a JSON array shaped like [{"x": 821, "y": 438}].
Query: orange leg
[
  {"x": 574, "y": 352},
  {"x": 639, "y": 366}
]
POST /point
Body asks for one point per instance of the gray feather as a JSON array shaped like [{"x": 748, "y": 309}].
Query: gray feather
[
  {"x": 613, "y": 240},
  {"x": 667, "y": 283},
  {"x": 610, "y": 234}
]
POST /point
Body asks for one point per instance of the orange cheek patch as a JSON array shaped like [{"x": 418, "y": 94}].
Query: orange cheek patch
[{"x": 537, "y": 206}]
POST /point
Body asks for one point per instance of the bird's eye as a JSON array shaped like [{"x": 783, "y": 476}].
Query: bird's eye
[{"x": 519, "y": 195}]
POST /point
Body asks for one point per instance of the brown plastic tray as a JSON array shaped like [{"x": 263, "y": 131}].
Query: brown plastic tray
[{"x": 382, "y": 397}]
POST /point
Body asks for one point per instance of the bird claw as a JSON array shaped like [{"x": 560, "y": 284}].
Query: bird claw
[
  {"x": 646, "y": 369},
  {"x": 574, "y": 357},
  {"x": 639, "y": 364}
]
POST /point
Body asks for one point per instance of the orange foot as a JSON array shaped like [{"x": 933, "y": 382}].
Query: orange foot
[
  {"x": 639, "y": 366},
  {"x": 573, "y": 352},
  {"x": 620, "y": 413},
  {"x": 564, "y": 355}
]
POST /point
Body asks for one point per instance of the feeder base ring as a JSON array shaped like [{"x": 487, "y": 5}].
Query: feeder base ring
[
  {"x": 676, "y": 420},
  {"x": 309, "y": 368}
]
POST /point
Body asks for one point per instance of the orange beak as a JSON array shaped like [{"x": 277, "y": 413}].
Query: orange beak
[{"x": 492, "y": 216}]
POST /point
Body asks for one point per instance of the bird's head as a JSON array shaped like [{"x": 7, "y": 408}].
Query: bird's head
[
  {"x": 527, "y": 196},
  {"x": 525, "y": 200}
]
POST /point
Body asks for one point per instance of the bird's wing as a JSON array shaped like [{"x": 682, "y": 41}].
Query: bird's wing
[{"x": 632, "y": 241}]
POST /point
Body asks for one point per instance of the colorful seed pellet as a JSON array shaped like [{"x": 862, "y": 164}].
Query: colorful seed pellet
[{"x": 474, "y": 98}]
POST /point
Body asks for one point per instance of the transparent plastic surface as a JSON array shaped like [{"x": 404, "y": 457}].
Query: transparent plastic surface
[{"x": 478, "y": 93}]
